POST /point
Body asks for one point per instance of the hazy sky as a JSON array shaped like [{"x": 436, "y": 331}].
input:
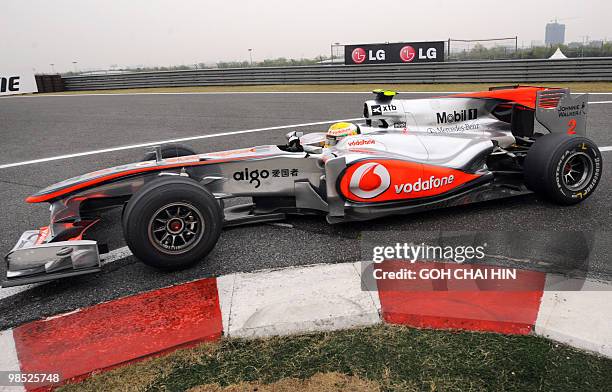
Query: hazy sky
[{"x": 96, "y": 33}]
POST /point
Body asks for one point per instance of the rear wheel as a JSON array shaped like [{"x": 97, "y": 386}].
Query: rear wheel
[
  {"x": 565, "y": 169},
  {"x": 171, "y": 150},
  {"x": 172, "y": 223}
]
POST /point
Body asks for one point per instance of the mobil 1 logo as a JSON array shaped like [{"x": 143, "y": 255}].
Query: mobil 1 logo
[{"x": 456, "y": 116}]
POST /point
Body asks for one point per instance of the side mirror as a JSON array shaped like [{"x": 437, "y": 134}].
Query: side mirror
[
  {"x": 294, "y": 134},
  {"x": 158, "y": 153},
  {"x": 293, "y": 141}
]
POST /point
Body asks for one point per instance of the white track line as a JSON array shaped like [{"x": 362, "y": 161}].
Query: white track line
[
  {"x": 6, "y": 292},
  {"x": 597, "y": 102},
  {"x": 148, "y": 144},
  {"x": 606, "y": 148},
  {"x": 183, "y": 139}
]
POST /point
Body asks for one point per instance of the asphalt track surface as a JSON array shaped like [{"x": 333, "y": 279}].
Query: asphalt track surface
[{"x": 39, "y": 127}]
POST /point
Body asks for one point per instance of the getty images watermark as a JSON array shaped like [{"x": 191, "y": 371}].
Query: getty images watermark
[
  {"x": 422, "y": 251},
  {"x": 413, "y": 253},
  {"x": 438, "y": 267},
  {"x": 484, "y": 260}
]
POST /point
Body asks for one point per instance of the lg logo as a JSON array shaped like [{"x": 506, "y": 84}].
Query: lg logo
[
  {"x": 407, "y": 54},
  {"x": 394, "y": 53},
  {"x": 370, "y": 180},
  {"x": 9, "y": 84},
  {"x": 359, "y": 55}
]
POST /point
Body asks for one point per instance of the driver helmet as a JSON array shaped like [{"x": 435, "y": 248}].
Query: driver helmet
[{"x": 339, "y": 130}]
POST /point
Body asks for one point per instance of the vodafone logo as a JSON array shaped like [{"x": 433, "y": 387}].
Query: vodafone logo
[
  {"x": 358, "y": 55},
  {"x": 424, "y": 185},
  {"x": 383, "y": 180},
  {"x": 361, "y": 142},
  {"x": 370, "y": 180},
  {"x": 407, "y": 53}
]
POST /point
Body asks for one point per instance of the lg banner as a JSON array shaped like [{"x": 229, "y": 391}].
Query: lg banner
[
  {"x": 18, "y": 82},
  {"x": 406, "y": 52}
]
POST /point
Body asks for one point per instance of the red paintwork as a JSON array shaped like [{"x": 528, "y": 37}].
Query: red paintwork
[
  {"x": 523, "y": 95},
  {"x": 462, "y": 304},
  {"x": 402, "y": 172},
  {"x": 43, "y": 233},
  {"x": 98, "y": 180},
  {"x": 87, "y": 225},
  {"x": 369, "y": 181},
  {"x": 120, "y": 331}
]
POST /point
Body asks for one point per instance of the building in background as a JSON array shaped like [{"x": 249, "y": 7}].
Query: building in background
[{"x": 555, "y": 33}]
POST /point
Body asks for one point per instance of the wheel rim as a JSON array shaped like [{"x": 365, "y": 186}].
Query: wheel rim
[
  {"x": 577, "y": 171},
  {"x": 176, "y": 228}
]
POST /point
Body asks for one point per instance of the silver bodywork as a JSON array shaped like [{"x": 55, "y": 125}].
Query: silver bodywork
[
  {"x": 74, "y": 257},
  {"x": 454, "y": 135}
]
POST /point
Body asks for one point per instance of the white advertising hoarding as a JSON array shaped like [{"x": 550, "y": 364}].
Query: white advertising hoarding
[{"x": 17, "y": 82}]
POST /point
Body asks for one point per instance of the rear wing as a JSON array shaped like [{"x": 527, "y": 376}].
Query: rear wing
[{"x": 558, "y": 112}]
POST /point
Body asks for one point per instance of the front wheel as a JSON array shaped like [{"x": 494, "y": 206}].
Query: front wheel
[
  {"x": 172, "y": 223},
  {"x": 565, "y": 169}
]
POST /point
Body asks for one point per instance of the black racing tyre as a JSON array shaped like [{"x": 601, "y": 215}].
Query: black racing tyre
[
  {"x": 170, "y": 150},
  {"x": 172, "y": 223},
  {"x": 563, "y": 168}
]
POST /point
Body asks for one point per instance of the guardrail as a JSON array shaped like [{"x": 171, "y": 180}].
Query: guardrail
[
  {"x": 512, "y": 71},
  {"x": 49, "y": 83}
]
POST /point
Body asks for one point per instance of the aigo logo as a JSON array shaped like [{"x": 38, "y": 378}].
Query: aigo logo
[
  {"x": 252, "y": 176},
  {"x": 407, "y": 53},
  {"x": 358, "y": 55},
  {"x": 370, "y": 180}
]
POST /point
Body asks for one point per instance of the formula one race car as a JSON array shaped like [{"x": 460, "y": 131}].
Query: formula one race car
[{"x": 408, "y": 155}]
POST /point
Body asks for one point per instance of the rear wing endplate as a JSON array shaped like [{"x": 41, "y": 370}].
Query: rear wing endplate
[{"x": 560, "y": 113}]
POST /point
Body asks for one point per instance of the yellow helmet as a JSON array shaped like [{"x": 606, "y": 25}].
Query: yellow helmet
[{"x": 339, "y": 130}]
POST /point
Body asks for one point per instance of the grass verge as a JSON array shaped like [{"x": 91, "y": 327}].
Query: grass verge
[
  {"x": 383, "y": 357},
  {"x": 574, "y": 86}
]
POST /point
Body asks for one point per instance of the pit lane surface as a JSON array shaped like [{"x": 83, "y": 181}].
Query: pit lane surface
[{"x": 39, "y": 127}]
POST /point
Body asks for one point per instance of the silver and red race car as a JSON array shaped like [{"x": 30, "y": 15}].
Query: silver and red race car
[{"x": 408, "y": 155}]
